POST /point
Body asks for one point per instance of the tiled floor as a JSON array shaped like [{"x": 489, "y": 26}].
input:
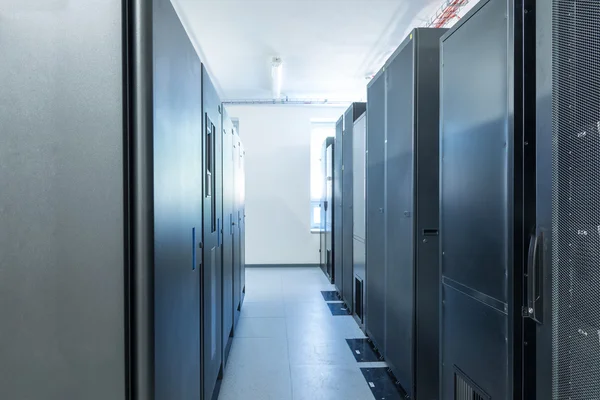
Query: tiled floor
[{"x": 288, "y": 345}]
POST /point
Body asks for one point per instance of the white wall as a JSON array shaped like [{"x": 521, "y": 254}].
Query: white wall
[{"x": 277, "y": 144}]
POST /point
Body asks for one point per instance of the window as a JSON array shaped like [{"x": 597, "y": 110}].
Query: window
[{"x": 320, "y": 131}]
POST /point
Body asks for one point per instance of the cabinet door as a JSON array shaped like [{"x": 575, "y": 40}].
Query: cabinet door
[
  {"x": 347, "y": 217},
  {"x": 375, "y": 222},
  {"x": 337, "y": 204},
  {"x": 400, "y": 288},
  {"x": 211, "y": 267},
  {"x": 564, "y": 279}
]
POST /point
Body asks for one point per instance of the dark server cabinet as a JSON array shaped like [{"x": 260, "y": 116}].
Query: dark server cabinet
[
  {"x": 375, "y": 222},
  {"x": 237, "y": 260},
  {"x": 563, "y": 274},
  {"x": 337, "y": 203},
  {"x": 411, "y": 223},
  {"x": 177, "y": 209},
  {"x": 350, "y": 116},
  {"x": 329, "y": 214},
  {"x": 241, "y": 180},
  {"x": 358, "y": 207},
  {"x": 322, "y": 252},
  {"x": 99, "y": 206},
  {"x": 327, "y": 209},
  {"x": 239, "y": 231},
  {"x": 212, "y": 312},
  {"x": 485, "y": 113},
  {"x": 228, "y": 228}
]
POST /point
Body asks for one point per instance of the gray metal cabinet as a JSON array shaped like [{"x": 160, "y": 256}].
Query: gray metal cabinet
[
  {"x": 241, "y": 180},
  {"x": 62, "y": 241},
  {"x": 563, "y": 293},
  {"x": 326, "y": 235},
  {"x": 375, "y": 222},
  {"x": 99, "y": 280},
  {"x": 337, "y": 204},
  {"x": 329, "y": 211},
  {"x": 474, "y": 203},
  {"x": 489, "y": 152},
  {"x": 239, "y": 231},
  {"x": 177, "y": 209},
  {"x": 347, "y": 212},
  {"x": 212, "y": 312},
  {"x": 228, "y": 191},
  {"x": 410, "y": 115},
  {"x": 400, "y": 196},
  {"x": 326, "y": 207},
  {"x": 358, "y": 214}
]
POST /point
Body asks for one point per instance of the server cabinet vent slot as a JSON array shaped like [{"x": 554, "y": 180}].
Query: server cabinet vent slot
[
  {"x": 576, "y": 199},
  {"x": 358, "y": 298},
  {"x": 464, "y": 389}
]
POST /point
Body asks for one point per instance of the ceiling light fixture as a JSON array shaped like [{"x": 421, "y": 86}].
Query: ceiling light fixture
[{"x": 276, "y": 76}]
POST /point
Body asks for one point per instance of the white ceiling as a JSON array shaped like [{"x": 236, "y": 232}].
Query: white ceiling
[{"x": 328, "y": 47}]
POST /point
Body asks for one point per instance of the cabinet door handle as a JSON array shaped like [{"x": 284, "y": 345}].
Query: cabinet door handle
[
  {"x": 534, "y": 306},
  {"x": 193, "y": 249}
]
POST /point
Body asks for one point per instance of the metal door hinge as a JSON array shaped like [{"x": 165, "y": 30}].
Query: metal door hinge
[{"x": 526, "y": 311}]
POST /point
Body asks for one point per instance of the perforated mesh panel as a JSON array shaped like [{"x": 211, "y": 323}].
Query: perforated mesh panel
[{"x": 576, "y": 203}]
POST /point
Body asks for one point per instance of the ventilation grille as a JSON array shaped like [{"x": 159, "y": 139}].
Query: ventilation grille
[
  {"x": 576, "y": 202},
  {"x": 464, "y": 389},
  {"x": 358, "y": 298}
]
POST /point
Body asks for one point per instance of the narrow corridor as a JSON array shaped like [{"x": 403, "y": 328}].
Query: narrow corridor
[{"x": 288, "y": 345}]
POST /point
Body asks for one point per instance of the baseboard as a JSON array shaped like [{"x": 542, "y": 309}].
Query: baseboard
[{"x": 282, "y": 265}]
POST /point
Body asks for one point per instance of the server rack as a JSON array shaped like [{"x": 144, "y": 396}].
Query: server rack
[
  {"x": 240, "y": 232},
  {"x": 228, "y": 193},
  {"x": 325, "y": 250},
  {"x": 486, "y": 129},
  {"x": 212, "y": 311},
  {"x": 358, "y": 208},
  {"x": 322, "y": 253},
  {"x": 329, "y": 213},
  {"x": 375, "y": 221},
  {"x": 561, "y": 305},
  {"x": 337, "y": 203},
  {"x": 238, "y": 268},
  {"x": 350, "y": 116},
  {"x": 242, "y": 219},
  {"x": 89, "y": 261},
  {"x": 405, "y": 96}
]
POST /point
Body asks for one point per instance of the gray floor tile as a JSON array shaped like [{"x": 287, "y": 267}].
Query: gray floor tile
[
  {"x": 315, "y": 351},
  {"x": 288, "y": 345},
  {"x": 263, "y": 309},
  {"x": 242, "y": 382},
  {"x": 314, "y": 308},
  {"x": 261, "y": 296},
  {"x": 259, "y": 352},
  {"x": 324, "y": 327},
  {"x": 261, "y": 328},
  {"x": 326, "y": 382}
]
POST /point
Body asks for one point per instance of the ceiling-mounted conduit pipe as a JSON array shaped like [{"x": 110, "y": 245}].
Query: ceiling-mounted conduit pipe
[{"x": 288, "y": 101}]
